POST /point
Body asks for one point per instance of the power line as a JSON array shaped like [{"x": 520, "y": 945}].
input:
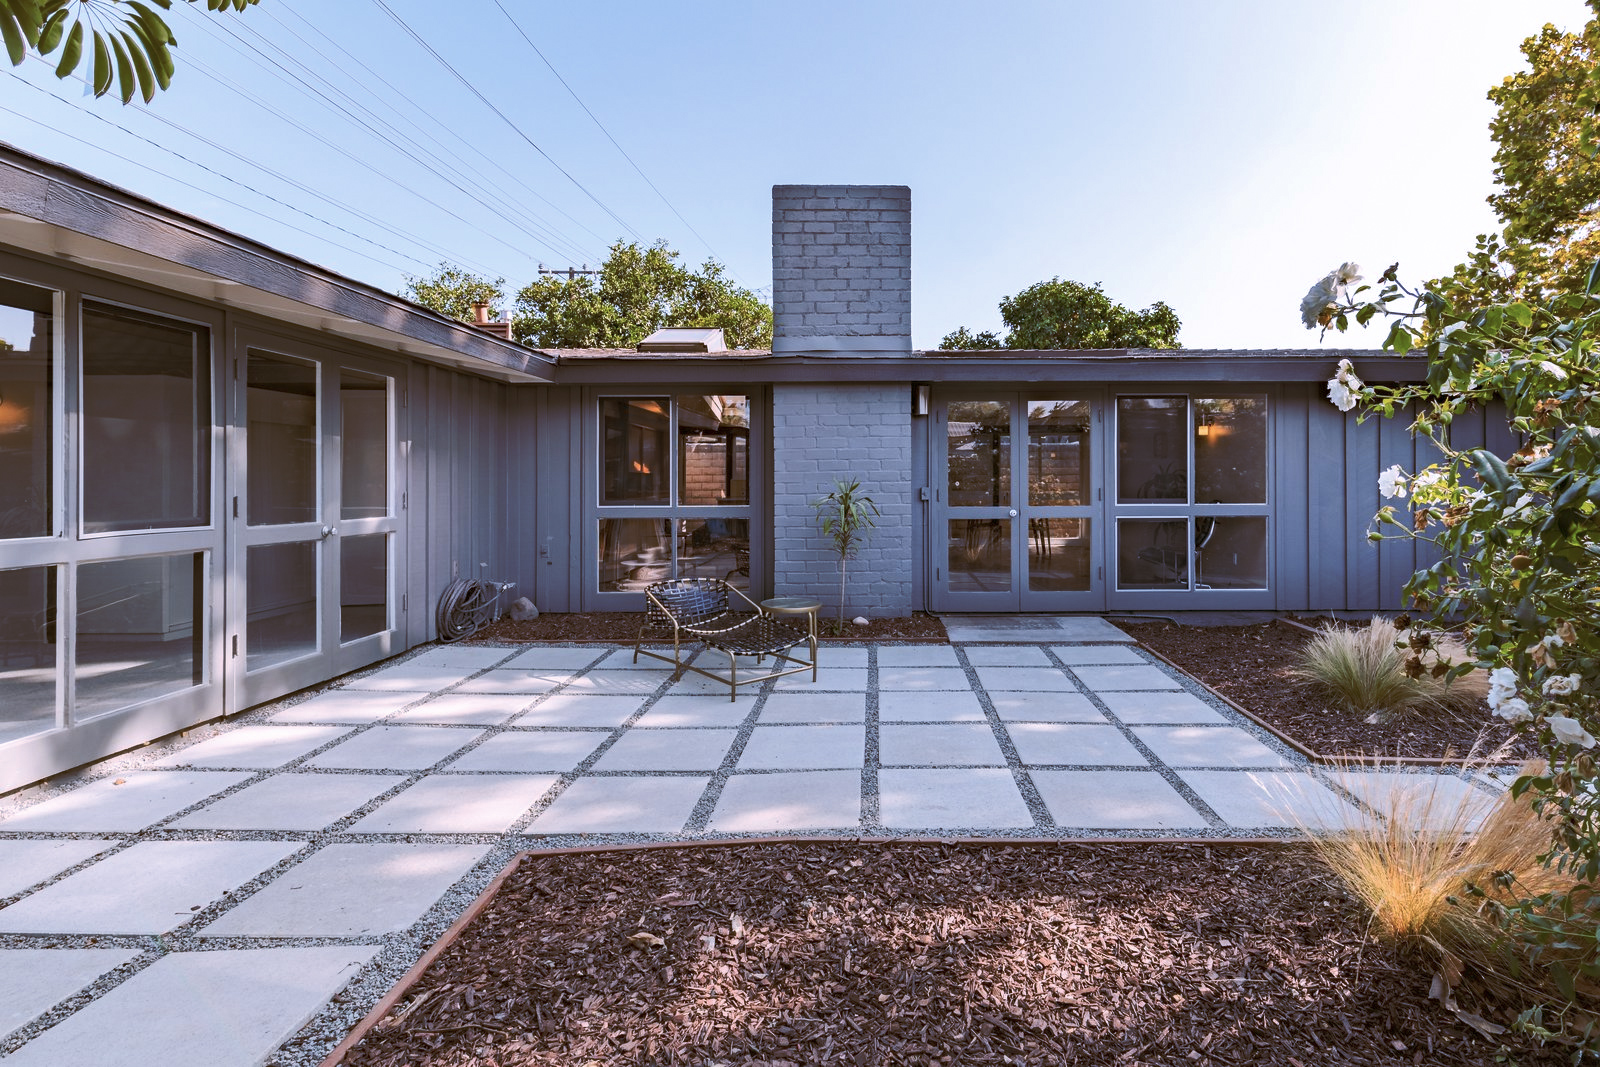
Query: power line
[
  {"x": 212, "y": 192},
  {"x": 538, "y": 230},
  {"x": 637, "y": 169},
  {"x": 417, "y": 37}
]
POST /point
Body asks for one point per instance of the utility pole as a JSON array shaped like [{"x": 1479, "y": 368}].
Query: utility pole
[{"x": 570, "y": 272}]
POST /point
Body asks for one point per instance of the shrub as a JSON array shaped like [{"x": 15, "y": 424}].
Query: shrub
[{"x": 1366, "y": 670}]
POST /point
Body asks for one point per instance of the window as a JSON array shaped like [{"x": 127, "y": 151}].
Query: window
[
  {"x": 674, "y": 490},
  {"x": 1192, "y": 492},
  {"x": 27, "y": 365},
  {"x": 146, "y": 422}
]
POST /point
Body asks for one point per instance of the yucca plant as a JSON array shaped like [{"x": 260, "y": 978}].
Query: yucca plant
[
  {"x": 1366, "y": 671},
  {"x": 847, "y": 516}
]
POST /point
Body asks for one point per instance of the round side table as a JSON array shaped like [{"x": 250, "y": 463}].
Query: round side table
[{"x": 798, "y": 605}]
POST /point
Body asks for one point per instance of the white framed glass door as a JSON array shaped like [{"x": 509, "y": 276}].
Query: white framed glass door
[
  {"x": 1015, "y": 501},
  {"x": 316, "y": 524}
]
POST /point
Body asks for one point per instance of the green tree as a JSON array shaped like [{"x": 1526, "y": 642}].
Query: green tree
[
  {"x": 963, "y": 340},
  {"x": 846, "y": 517},
  {"x": 639, "y": 290},
  {"x": 126, "y": 41},
  {"x": 1068, "y": 314},
  {"x": 452, "y": 290},
  {"x": 1548, "y": 195}
]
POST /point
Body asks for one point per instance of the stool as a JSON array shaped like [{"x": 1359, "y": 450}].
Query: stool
[{"x": 798, "y": 605}]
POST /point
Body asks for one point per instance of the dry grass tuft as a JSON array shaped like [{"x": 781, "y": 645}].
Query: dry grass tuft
[{"x": 1365, "y": 670}]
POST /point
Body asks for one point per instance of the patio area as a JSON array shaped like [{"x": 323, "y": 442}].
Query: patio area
[{"x": 256, "y": 868}]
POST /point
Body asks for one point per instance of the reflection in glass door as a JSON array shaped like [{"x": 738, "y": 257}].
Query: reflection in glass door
[
  {"x": 1014, "y": 499},
  {"x": 317, "y": 521}
]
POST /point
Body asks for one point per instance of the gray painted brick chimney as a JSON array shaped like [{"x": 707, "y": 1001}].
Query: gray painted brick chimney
[{"x": 841, "y": 269}]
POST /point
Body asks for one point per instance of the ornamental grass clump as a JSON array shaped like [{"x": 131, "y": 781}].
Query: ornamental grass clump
[{"x": 1374, "y": 670}]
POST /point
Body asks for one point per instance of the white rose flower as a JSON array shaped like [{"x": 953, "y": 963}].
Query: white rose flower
[
  {"x": 1340, "y": 395},
  {"x": 1346, "y": 373},
  {"x": 1502, "y": 686},
  {"x": 1570, "y": 731},
  {"x": 1392, "y": 483},
  {"x": 1562, "y": 685},
  {"x": 1325, "y": 294},
  {"x": 1348, "y": 273},
  {"x": 1514, "y": 710},
  {"x": 1552, "y": 642},
  {"x": 1428, "y": 479}
]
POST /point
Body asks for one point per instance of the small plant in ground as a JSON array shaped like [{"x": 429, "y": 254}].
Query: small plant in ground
[
  {"x": 1369, "y": 670},
  {"x": 847, "y": 516}
]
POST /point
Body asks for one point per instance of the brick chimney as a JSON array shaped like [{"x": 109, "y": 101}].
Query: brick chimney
[
  {"x": 841, "y": 269},
  {"x": 480, "y": 321}
]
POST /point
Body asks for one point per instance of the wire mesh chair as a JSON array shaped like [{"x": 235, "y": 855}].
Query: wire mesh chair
[{"x": 700, "y": 611}]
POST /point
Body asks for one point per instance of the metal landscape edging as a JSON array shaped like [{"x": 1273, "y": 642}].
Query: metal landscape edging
[
  {"x": 1300, "y": 746},
  {"x": 398, "y": 991}
]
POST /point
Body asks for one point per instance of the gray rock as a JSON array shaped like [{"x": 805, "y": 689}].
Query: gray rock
[{"x": 522, "y": 610}]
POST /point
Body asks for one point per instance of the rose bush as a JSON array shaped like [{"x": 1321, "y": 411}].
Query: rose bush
[{"x": 1519, "y": 537}]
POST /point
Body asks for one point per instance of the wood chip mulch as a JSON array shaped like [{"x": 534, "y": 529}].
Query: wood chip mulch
[
  {"x": 622, "y": 627},
  {"x": 777, "y": 955},
  {"x": 1250, "y": 666}
]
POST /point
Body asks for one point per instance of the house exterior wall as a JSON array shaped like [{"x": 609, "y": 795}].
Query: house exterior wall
[
  {"x": 841, "y": 269},
  {"x": 825, "y": 432}
]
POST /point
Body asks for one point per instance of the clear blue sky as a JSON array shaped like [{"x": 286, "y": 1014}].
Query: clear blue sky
[{"x": 1217, "y": 156}]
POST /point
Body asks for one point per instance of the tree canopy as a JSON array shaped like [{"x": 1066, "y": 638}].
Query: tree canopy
[
  {"x": 452, "y": 290},
  {"x": 127, "y": 43},
  {"x": 1068, "y": 314},
  {"x": 1548, "y": 195},
  {"x": 639, "y": 290}
]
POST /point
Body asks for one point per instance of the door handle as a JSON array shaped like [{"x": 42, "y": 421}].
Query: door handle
[
  {"x": 1012, "y": 513},
  {"x": 329, "y": 531}
]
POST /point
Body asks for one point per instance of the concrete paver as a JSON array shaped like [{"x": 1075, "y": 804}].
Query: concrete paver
[
  {"x": 1104, "y": 679},
  {"x": 27, "y": 863},
  {"x": 294, "y": 802},
  {"x": 1007, "y": 656},
  {"x": 804, "y": 747},
  {"x": 829, "y": 656},
  {"x": 1073, "y": 744},
  {"x": 974, "y": 798},
  {"x": 929, "y": 707},
  {"x": 529, "y": 682},
  {"x": 346, "y": 705},
  {"x": 531, "y": 750},
  {"x": 395, "y": 748},
  {"x": 466, "y": 709},
  {"x": 693, "y": 710},
  {"x": 814, "y": 707},
  {"x": 667, "y": 750},
  {"x": 788, "y": 800},
  {"x": 917, "y": 656},
  {"x": 1155, "y": 708},
  {"x": 923, "y": 679},
  {"x": 254, "y": 746},
  {"x": 640, "y": 682},
  {"x": 457, "y": 804},
  {"x": 1026, "y": 679},
  {"x": 253, "y": 1000},
  {"x": 147, "y": 889},
  {"x": 1045, "y": 707},
  {"x": 1115, "y": 800},
  {"x": 34, "y": 980},
  {"x": 123, "y": 804},
  {"x": 1081, "y": 655},
  {"x": 1272, "y": 799},
  {"x": 571, "y": 659},
  {"x": 621, "y": 806},
  {"x": 838, "y": 679},
  {"x": 1429, "y": 801},
  {"x": 350, "y": 890},
  {"x": 474, "y": 657},
  {"x": 953, "y": 744},
  {"x": 1207, "y": 746},
  {"x": 581, "y": 709},
  {"x": 410, "y": 678}
]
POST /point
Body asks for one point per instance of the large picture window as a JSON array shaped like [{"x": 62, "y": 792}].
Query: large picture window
[
  {"x": 1192, "y": 492},
  {"x": 674, "y": 490},
  {"x": 27, "y": 365}
]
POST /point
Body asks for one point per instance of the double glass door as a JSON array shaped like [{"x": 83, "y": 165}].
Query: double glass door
[
  {"x": 1016, "y": 493},
  {"x": 315, "y": 518}
]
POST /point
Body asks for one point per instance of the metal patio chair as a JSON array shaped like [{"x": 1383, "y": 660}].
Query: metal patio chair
[{"x": 700, "y": 611}]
